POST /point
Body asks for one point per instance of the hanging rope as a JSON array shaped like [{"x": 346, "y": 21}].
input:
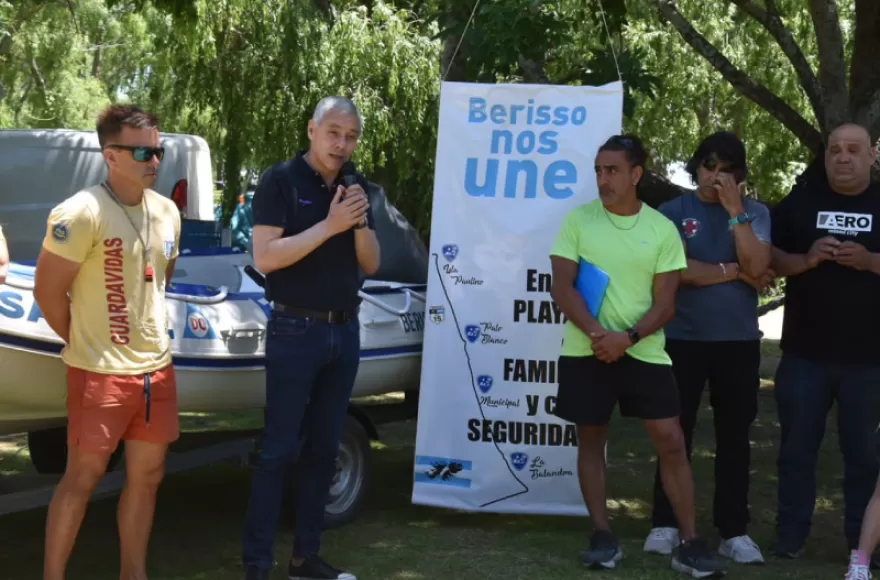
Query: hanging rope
[
  {"x": 474, "y": 12},
  {"x": 610, "y": 41},
  {"x": 461, "y": 38}
]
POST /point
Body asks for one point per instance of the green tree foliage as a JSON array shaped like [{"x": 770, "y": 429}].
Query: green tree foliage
[
  {"x": 781, "y": 73},
  {"x": 544, "y": 41},
  {"x": 701, "y": 101},
  {"x": 246, "y": 75}
]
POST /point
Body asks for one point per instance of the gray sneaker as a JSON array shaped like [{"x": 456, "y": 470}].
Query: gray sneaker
[
  {"x": 604, "y": 552},
  {"x": 787, "y": 549},
  {"x": 661, "y": 541},
  {"x": 741, "y": 549},
  {"x": 315, "y": 568},
  {"x": 694, "y": 558}
]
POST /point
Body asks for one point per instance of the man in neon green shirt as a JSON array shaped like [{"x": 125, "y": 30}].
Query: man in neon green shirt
[{"x": 621, "y": 356}]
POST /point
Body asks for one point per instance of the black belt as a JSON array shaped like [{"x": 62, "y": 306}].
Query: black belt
[{"x": 331, "y": 316}]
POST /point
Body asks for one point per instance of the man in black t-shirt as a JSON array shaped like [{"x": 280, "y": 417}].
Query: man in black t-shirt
[
  {"x": 827, "y": 243},
  {"x": 311, "y": 233}
]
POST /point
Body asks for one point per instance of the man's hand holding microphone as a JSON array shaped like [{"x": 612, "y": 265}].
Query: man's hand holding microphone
[{"x": 349, "y": 206}]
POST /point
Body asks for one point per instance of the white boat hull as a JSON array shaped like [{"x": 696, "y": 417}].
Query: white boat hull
[{"x": 218, "y": 344}]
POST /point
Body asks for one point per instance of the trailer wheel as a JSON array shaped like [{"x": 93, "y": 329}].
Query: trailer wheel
[
  {"x": 352, "y": 479},
  {"x": 48, "y": 451},
  {"x": 350, "y": 483}
]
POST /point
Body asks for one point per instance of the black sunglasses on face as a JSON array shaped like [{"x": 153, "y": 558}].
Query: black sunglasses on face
[
  {"x": 142, "y": 154},
  {"x": 712, "y": 162}
]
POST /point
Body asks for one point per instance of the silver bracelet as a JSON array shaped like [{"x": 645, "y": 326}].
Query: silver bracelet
[{"x": 723, "y": 268}]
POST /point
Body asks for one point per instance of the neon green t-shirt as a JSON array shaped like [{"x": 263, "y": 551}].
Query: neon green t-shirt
[{"x": 631, "y": 253}]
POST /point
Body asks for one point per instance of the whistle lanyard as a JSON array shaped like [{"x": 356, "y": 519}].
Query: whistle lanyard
[{"x": 148, "y": 266}]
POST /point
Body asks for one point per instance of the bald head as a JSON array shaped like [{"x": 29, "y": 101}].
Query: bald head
[
  {"x": 850, "y": 132},
  {"x": 848, "y": 159}
]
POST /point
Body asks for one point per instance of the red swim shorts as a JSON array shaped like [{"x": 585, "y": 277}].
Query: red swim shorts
[{"x": 104, "y": 409}]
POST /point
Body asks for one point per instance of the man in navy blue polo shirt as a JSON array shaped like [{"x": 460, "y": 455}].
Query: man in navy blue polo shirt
[
  {"x": 311, "y": 235},
  {"x": 827, "y": 245},
  {"x": 714, "y": 336}
]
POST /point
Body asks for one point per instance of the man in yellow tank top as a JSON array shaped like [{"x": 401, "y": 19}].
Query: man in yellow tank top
[{"x": 108, "y": 254}]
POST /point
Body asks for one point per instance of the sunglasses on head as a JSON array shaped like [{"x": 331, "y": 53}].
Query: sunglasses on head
[
  {"x": 142, "y": 154},
  {"x": 625, "y": 141}
]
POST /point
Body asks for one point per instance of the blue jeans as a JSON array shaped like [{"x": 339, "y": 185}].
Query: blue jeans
[
  {"x": 805, "y": 392},
  {"x": 311, "y": 367}
]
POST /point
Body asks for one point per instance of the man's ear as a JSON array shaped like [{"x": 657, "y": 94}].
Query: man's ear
[
  {"x": 109, "y": 157},
  {"x": 639, "y": 173}
]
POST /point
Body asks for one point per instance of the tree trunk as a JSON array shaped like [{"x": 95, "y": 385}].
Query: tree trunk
[
  {"x": 451, "y": 67},
  {"x": 832, "y": 67},
  {"x": 97, "y": 58},
  {"x": 747, "y": 86},
  {"x": 324, "y": 7},
  {"x": 22, "y": 17},
  {"x": 6, "y": 41},
  {"x": 771, "y": 20},
  {"x": 454, "y": 54},
  {"x": 38, "y": 79},
  {"x": 702, "y": 113},
  {"x": 864, "y": 70},
  {"x": 17, "y": 113},
  {"x": 533, "y": 73}
]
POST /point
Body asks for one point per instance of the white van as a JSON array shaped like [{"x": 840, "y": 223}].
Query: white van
[{"x": 40, "y": 168}]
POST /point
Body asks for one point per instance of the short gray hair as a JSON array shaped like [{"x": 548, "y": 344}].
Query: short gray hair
[{"x": 339, "y": 105}]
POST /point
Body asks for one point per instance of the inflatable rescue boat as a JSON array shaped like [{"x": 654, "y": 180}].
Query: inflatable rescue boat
[{"x": 217, "y": 325}]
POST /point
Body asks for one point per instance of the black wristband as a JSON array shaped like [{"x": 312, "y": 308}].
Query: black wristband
[{"x": 633, "y": 335}]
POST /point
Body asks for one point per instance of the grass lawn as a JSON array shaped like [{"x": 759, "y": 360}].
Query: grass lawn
[{"x": 198, "y": 522}]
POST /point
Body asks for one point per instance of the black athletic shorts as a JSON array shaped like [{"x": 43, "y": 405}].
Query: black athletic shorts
[{"x": 589, "y": 389}]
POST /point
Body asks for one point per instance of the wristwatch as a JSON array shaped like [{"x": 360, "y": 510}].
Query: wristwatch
[
  {"x": 740, "y": 219},
  {"x": 633, "y": 335}
]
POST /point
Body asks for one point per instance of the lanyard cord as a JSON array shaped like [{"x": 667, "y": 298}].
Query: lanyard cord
[{"x": 146, "y": 244}]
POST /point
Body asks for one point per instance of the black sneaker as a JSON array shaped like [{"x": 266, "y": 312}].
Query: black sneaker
[
  {"x": 787, "y": 549},
  {"x": 256, "y": 574},
  {"x": 314, "y": 568},
  {"x": 604, "y": 552},
  {"x": 694, "y": 558}
]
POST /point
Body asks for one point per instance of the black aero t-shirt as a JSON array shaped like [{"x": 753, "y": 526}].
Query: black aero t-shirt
[
  {"x": 329, "y": 277},
  {"x": 832, "y": 312}
]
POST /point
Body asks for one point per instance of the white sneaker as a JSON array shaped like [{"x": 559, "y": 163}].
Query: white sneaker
[
  {"x": 661, "y": 541},
  {"x": 857, "y": 572},
  {"x": 741, "y": 549}
]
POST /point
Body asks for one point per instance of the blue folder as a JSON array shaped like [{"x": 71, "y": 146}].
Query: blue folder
[{"x": 591, "y": 283}]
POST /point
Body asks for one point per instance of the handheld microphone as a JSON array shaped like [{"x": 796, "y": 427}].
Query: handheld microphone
[
  {"x": 349, "y": 178},
  {"x": 348, "y": 173}
]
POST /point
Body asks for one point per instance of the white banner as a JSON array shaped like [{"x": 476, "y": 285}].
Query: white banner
[{"x": 512, "y": 160}]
